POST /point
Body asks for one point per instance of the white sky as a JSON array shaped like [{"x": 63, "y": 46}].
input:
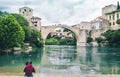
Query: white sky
[{"x": 53, "y": 12}]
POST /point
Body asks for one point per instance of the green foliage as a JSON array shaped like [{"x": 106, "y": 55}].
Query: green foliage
[
  {"x": 118, "y": 21},
  {"x": 89, "y": 39},
  {"x": 113, "y": 37},
  {"x": 55, "y": 40},
  {"x": 66, "y": 30},
  {"x": 3, "y": 14},
  {"x": 49, "y": 36},
  {"x": 52, "y": 41},
  {"x": 67, "y": 41},
  {"x": 27, "y": 31},
  {"x": 99, "y": 39},
  {"x": 11, "y": 33},
  {"x": 14, "y": 31},
  {"x": 25, "y": 25},
  {"x": 35, "y": 39},
  {"x": 31, "y": 36},
  {"x": 21, "y": 20}
]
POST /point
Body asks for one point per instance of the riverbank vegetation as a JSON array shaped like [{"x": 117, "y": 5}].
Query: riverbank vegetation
[
  {"x": 15, "y": 31},
  {"x": 11, "y": 33},
  {"x": 56, "y": 40},
  {"x": 113, "y": 37},
  {"x": 110, "y": 38}
]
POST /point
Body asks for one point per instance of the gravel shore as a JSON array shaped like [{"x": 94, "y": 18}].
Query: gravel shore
[{"x": 66, "y": 75}]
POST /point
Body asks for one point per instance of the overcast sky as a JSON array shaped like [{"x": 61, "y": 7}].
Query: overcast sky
[{"x": 52, "y": 12}]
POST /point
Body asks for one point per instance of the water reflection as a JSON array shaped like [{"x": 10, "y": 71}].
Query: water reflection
[
  {"x": 64, "y": 59},
  {"x": 80, "y": 60},
  {"x": 15, "y": 61}
]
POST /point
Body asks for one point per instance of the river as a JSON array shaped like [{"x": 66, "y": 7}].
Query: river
[{"x": 64, "y": 59}]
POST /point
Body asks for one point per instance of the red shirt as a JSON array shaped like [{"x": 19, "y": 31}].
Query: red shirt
[{"x": 29, "y": 69}]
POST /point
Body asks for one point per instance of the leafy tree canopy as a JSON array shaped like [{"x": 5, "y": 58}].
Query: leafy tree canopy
[
  {"x": 113, "y": 37},
  {"x": 25, "y": 25},
  {"x": 35, "y": 39},
  {"x": 118, "y": 21},
  {"x": 3, "y": 14},
  {"x": 11, "y": 33},
  {"x": 89, "y": 39},
  {"x": 21, "y": 20}
]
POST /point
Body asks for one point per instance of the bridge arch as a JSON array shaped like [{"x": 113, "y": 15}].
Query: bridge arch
[{"x": 45, "y": 30}]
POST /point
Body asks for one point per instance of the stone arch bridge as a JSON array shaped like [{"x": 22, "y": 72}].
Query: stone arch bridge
[{"x": 80, "y": 35}]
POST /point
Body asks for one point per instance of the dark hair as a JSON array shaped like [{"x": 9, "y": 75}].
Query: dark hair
[
  {"x": 30, "y": 62},
  {"x": 27, "y": 62}
]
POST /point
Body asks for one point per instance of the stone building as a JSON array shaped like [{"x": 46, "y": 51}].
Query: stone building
[
  {"x": 34, "y": 22},
  {"x": 112, "y": 17},
  {"x": 99, "y": 26},
  {"x": 94, "y": 28},
  {"x": 107, "y": 9},
  {"x": 85, "y": 25}
]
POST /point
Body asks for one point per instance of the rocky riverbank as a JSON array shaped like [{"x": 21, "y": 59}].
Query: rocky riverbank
[{"x": 66, "y": 75}]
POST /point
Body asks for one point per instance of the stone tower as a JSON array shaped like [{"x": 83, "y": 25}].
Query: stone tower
[
  {"x": 34, "y": 22},
  {"x": 26, "y": 12}
]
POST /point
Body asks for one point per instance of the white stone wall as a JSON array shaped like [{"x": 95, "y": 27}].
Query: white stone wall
[
  {"x": 85, "y": 25},
  {"x": 112, "y": 18}
]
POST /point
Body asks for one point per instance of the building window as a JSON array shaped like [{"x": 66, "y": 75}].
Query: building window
[
  {"x": 117, "y": 16},
  {"x": 110, "y": 23},
  {"x": 29, "y": 10},
  {"x": 35, "y": 25},
  {"x": 109, "y": 17},
  {"x": 113, "y": 23},
  {"x": 24, "y": 9},
  {"x": 113, "y": 17}
]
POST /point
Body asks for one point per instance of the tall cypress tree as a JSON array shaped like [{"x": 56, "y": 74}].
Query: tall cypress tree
[{"x": 118, "y": 6}]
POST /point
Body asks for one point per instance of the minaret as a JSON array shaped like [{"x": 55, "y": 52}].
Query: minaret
[{"x": 118, "y": 6}]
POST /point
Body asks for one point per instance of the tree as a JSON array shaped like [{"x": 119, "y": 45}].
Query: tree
[
  {"x": 99, "y": 39},
  {"x": 11, "y": 33},
  {"x": 113, "y": 37},
  {"x": 66, "y": 30},
  {"x": 21, "y": 20},
  {"x": 25, "y": 25},
  {"x": 89, "y": 39},
  {"x": 35, "y": 39},
  {"x": 3, "y": 14},
  {"x": 118, "y": 21}
]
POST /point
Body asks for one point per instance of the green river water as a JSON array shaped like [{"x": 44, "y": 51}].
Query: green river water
[{"x": 64, "y": 59}]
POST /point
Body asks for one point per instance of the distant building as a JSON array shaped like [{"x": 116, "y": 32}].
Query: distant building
[
  {"x": 107, "y": 9},
  {"x": 26, "y": 12},
  {"x": 61, "y": 33},
  {"x": 34, "y": 22},
  {"x": 113, "y": 16},
  {"x": 99, "y": 24}
]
